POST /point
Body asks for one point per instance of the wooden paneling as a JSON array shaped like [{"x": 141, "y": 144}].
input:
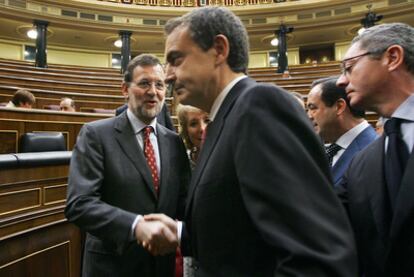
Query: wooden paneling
[
  {"x": 9, "y": 141},
  {"x": 21, "y": 200},
  {"x": 35, "y": 238},
  {"x": 15, "y": 122}
]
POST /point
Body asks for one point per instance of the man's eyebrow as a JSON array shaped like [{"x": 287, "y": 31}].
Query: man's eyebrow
[{"x": 172, "y": 55}]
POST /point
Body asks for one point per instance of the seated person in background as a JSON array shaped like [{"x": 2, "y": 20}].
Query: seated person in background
[
  {"x": 193, "y": 123},
  {"x": 67, "y": 105},
  {"x": 22, "y": 98}
]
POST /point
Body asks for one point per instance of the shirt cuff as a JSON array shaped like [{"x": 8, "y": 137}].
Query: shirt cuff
[
  {"x": 179, "y": 230},
  {"x": 134, "y": 224}
]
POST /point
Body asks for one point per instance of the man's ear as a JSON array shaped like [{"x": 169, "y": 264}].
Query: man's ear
[
  {"x": 395, "y": 55},
  {"x": 124, "y": 89},
  {"x": 222, "y": 46},
  {"x": 340, "y": 106}
]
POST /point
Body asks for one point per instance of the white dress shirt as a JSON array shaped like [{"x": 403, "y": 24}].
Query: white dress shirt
[
  {"x": 138, "y": 127},
  {"x": 346, "y": 139},
  {"x": 406, "y": 112}
]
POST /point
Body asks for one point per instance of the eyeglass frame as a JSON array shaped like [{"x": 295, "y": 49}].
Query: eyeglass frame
[
  {"x": 346, "y": 70},
  {"x": 146, "y": 85}
]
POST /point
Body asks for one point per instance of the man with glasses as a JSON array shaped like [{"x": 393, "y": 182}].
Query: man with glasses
[
  {"x": 125, "y": 167},
  {"x": 378, "y": 188},
  {"x": 339, "y": 124}
]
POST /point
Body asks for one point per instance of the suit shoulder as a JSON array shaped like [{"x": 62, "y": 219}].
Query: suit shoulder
[
  {"x": 100, "y": 124},
  {"x": 372, "y": 150},
  {"x": 266, "y": 91},
  {"x": 167, "y": 132}
]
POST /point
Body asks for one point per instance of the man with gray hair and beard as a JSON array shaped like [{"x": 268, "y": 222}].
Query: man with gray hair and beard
[{"x": 125, "y": 167}]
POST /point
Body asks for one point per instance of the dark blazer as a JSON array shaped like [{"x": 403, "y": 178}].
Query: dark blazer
[
  {"x": 110, "y": 183},
  {"x": 385, "y": 240},
  {"x": 163, "y": 117},
  {"x": 260, "y": 200},
  {"x": 364, "y": 138}
]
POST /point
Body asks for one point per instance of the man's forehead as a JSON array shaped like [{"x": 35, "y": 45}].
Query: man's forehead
[
  {"x": 315, "y": 91},
  {"x": 179, "y": 34},
  {"x": 354, "y": 50},
  {"x": 149, "y": 71}
]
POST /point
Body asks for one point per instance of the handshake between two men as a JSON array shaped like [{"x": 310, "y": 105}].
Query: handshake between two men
[{"x": 157, "y": 233}]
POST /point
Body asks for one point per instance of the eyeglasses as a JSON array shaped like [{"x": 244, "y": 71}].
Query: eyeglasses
[
  {"x": 346, "y": 69},
  {"x": 145, "y": 85}
]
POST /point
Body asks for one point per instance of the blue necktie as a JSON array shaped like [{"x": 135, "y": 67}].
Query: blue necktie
[{"x": 395, "y": 159}]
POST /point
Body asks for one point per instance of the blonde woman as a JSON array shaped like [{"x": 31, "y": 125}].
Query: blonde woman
[{"x": 193, "y": 123}]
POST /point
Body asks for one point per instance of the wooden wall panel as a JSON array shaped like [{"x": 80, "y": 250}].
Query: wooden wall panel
[
  {"x": 35, "y": 237},
  {"x": 9, "y": 141}
]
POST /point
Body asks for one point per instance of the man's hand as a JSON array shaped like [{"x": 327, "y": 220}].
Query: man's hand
[{"x": 158, "y": 234}]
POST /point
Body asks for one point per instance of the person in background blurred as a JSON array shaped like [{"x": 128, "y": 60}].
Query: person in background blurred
[
  {"x": 22, "y": 98},
  {"x": 67, "y": 105},
  {"x": 193, "y": 123}
]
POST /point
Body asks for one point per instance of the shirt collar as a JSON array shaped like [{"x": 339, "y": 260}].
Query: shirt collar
[
  {"x": 220, "y": 98},
  {"x": 405, "y": 110},
  {"x": 138, "y": 125},
  {"x": 346, "y": 139}
]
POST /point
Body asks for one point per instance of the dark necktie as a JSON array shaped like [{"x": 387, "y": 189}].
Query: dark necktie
[
  {"x": 150, "y": 156},
  {"x": 331, "y": 151},
  {"x": 396, "y": 157}
]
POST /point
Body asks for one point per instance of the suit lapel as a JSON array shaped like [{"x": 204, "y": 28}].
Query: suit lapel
[
  {"x": 164, "y": 150},
  {"x": 404, "y": 207},
  {"x": 361, "y": 140},
  {"x": 376, "y": 188},
  {"x": 214, "y": 130},
  {"x": 129, "y": 145},
  {"x": 340, "y": 166}
]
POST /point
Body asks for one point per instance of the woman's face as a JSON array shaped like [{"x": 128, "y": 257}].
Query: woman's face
[{"x": 196, "y": 124}]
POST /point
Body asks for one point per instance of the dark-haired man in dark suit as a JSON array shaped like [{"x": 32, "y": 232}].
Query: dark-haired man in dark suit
[
  {"x": 339, "y": 124},
  {"x": 123, "y": 168},
  {"x": 260, "y": 202}
]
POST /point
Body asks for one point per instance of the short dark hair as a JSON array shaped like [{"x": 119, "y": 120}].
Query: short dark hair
[
  {"x": 22, "y": 96},
  {"x": 140, "y": 60},
  {"x": 205, "y": 23},
  {"x": 332, "y": 93}
]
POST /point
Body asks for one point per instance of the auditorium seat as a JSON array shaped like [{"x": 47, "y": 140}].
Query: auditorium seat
[
  {"x": 42, "y": 142},
  {"x": 105, "y": 111},
  {"x": 52, "y": 107}
]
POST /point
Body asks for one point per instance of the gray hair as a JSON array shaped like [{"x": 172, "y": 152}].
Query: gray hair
[
  {"x": 204, "y": 24},
  {"x": 378, "y": 38},
  {"x": 140, "y": 60}
]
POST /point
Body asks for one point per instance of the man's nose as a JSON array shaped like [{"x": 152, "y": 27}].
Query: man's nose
[{"x": 342, "y": 81}]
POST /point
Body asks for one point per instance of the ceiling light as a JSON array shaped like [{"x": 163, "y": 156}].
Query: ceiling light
[
  {"x": 118, "y": 43},
  {"x": 274, "y": 42},
  {"x": 32, "y": 33}
]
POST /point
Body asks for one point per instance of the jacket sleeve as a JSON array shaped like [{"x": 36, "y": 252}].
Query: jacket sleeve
[{"x": 84, "y": 206}]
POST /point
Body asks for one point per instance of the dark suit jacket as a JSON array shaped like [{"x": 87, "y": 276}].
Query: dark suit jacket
[
  {"x": 163, "y": 117},
  {"x": 110, "y": 183},
  {"x": 364, "y": 138},
  {"x": 260, "y": 200},
  {"x": 385, "y": 241}
]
